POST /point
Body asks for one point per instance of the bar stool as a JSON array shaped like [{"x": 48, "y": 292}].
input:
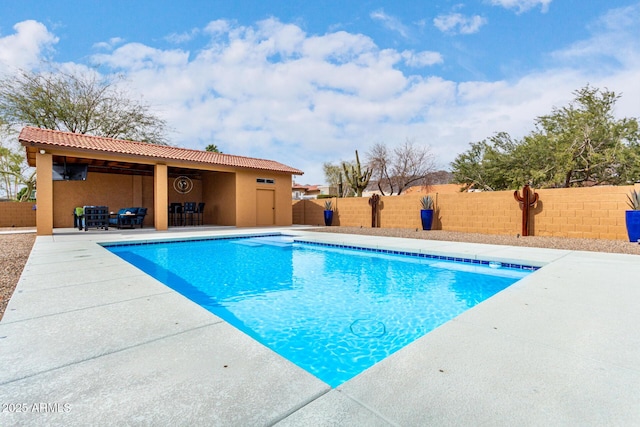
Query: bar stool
[
  {"x": 176, "y": 214},
  {"x": 189, "y": 212},
  {"x": 199, "y": 212}
]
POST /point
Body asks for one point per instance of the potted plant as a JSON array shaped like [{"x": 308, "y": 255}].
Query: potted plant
[
  {"x": 426, "y": 213},
  {"x": 328, "y": 213},
  {"x": 632, "y": 217}
]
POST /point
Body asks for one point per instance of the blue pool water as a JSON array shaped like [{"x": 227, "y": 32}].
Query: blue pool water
[{"x": 332, "y": 311}]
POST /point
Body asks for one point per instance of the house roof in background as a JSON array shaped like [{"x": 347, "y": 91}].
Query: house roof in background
[
  {"x": 35, "y": 138},
  {"x": 307, "y": 187},
  {"x": 435, "y": 188}
]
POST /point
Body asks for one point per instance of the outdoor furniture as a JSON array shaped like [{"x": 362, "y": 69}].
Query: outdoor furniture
[
  {"x": 128, "y": 217},
  {"x": 189, "y": 212},
  {"x": 176, "y": 214},
  {"x": 199, "y": 212},
  {"x": 139, "y": 219},
  {"x": 95, "y": 216},
  {"x": 115, "y": 219}
]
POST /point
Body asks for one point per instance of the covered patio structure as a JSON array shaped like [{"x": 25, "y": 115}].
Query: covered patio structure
[{"x": 81, "y": 170}]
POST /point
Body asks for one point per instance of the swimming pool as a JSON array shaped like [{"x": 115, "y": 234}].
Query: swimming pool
[{"x": 334, "y": 311}]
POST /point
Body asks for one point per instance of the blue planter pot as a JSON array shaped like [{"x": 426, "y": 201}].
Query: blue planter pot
[
  {"x": 426, "y": 216},
  {"x": 328, "y": 218},
  {"x": 632, "y": 219}
]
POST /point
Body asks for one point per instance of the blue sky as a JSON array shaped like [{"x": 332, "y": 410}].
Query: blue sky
[{"x": 305, "y": 83}]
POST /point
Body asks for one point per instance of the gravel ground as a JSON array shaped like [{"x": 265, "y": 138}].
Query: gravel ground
[
  {"x": 15, "y": 248},
  {"x": 14, "y": 252}
]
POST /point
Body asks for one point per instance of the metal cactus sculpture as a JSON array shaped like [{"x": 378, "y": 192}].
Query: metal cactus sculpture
[
  {"x": 374, "y": 200},
  {"x": 356, "y": 178},
  {"x": 528, "y": 200}
]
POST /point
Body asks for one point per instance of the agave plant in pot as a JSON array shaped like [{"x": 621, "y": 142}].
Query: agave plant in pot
[
  {"x": 426, "y": 213},
  {"x": 328, "y": 213},
  {"x": 632, "y": 217}
]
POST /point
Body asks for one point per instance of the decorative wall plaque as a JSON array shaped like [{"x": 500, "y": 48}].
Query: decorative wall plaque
[{"x": 183, "y": 184}]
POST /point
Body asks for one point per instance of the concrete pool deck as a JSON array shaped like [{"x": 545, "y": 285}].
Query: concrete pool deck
[{"x": 88, "y": 339}]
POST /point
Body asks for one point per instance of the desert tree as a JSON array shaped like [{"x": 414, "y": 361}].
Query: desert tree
[
  {"x": 591, "y": 146},
  {"x": 77, "y": 101},
  {"x": 576, "y": 145},
  {"x": 14, "y": 173},
  {"x": 212, "y": 148},
  {"x": 74, "y": 101},
  {"x": 334, "y": 176},
  {"x": 406, "y": 165}
]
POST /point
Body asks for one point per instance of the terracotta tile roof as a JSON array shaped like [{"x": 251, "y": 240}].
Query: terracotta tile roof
[
  {"x": 31, "y": 135},
  {"x": 307, "y": 187}
]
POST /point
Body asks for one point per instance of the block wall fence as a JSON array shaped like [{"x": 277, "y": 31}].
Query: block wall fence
[
  {"x": 591, "y": 213},
  {"x": 17, "y": 214}
]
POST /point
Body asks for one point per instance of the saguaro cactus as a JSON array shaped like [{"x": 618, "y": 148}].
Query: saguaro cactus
[
  {"x": 527, "y": 200},
  {"x": 356, "y": 178}
]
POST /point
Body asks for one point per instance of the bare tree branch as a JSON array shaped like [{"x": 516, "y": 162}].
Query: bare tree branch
[{"x": 408, "y": 165}]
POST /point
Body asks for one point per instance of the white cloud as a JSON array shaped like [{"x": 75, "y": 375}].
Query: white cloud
[
  {"x": 134, "y": 56},
  {"x": 614, "y": 41},
  {"x": 456, "y": 23},
  {"x": 421, "y": 59},
  {"x": 337, "y": 47},
  {"x": 329, "y": 95},
  {"x": 219, "y": 26},
  {"x": 26, "y": 47},
  {"x": 270, "y": 90},
  {"x": 179, "y": 38},
  {"x": 522, "y": 5},
  {"x": 110, "y": 44},
  {"x": 390, "y": 22}
]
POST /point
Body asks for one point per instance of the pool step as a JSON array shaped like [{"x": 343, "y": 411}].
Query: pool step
[{"x": 279, "y": 241}]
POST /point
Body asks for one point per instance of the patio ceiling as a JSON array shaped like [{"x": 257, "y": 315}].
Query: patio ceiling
[{"x": 125, "y": 168}]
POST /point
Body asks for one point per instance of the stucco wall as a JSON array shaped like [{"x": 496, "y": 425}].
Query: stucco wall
[
  {"x": 245, "y": 199},
  {"x": 246, "y": 203},
  {"x": 44, "y": 184},
  {"x": 195, "y": 195},
  {"x": 283, "y": 215},
  {"x": 17, "y": 214},
  {"x": 101, "y": 189},
  {"x": 230, "y": 198},
  {"x": 595, "y": 212},
  {"x": 219, "y": 196}
]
